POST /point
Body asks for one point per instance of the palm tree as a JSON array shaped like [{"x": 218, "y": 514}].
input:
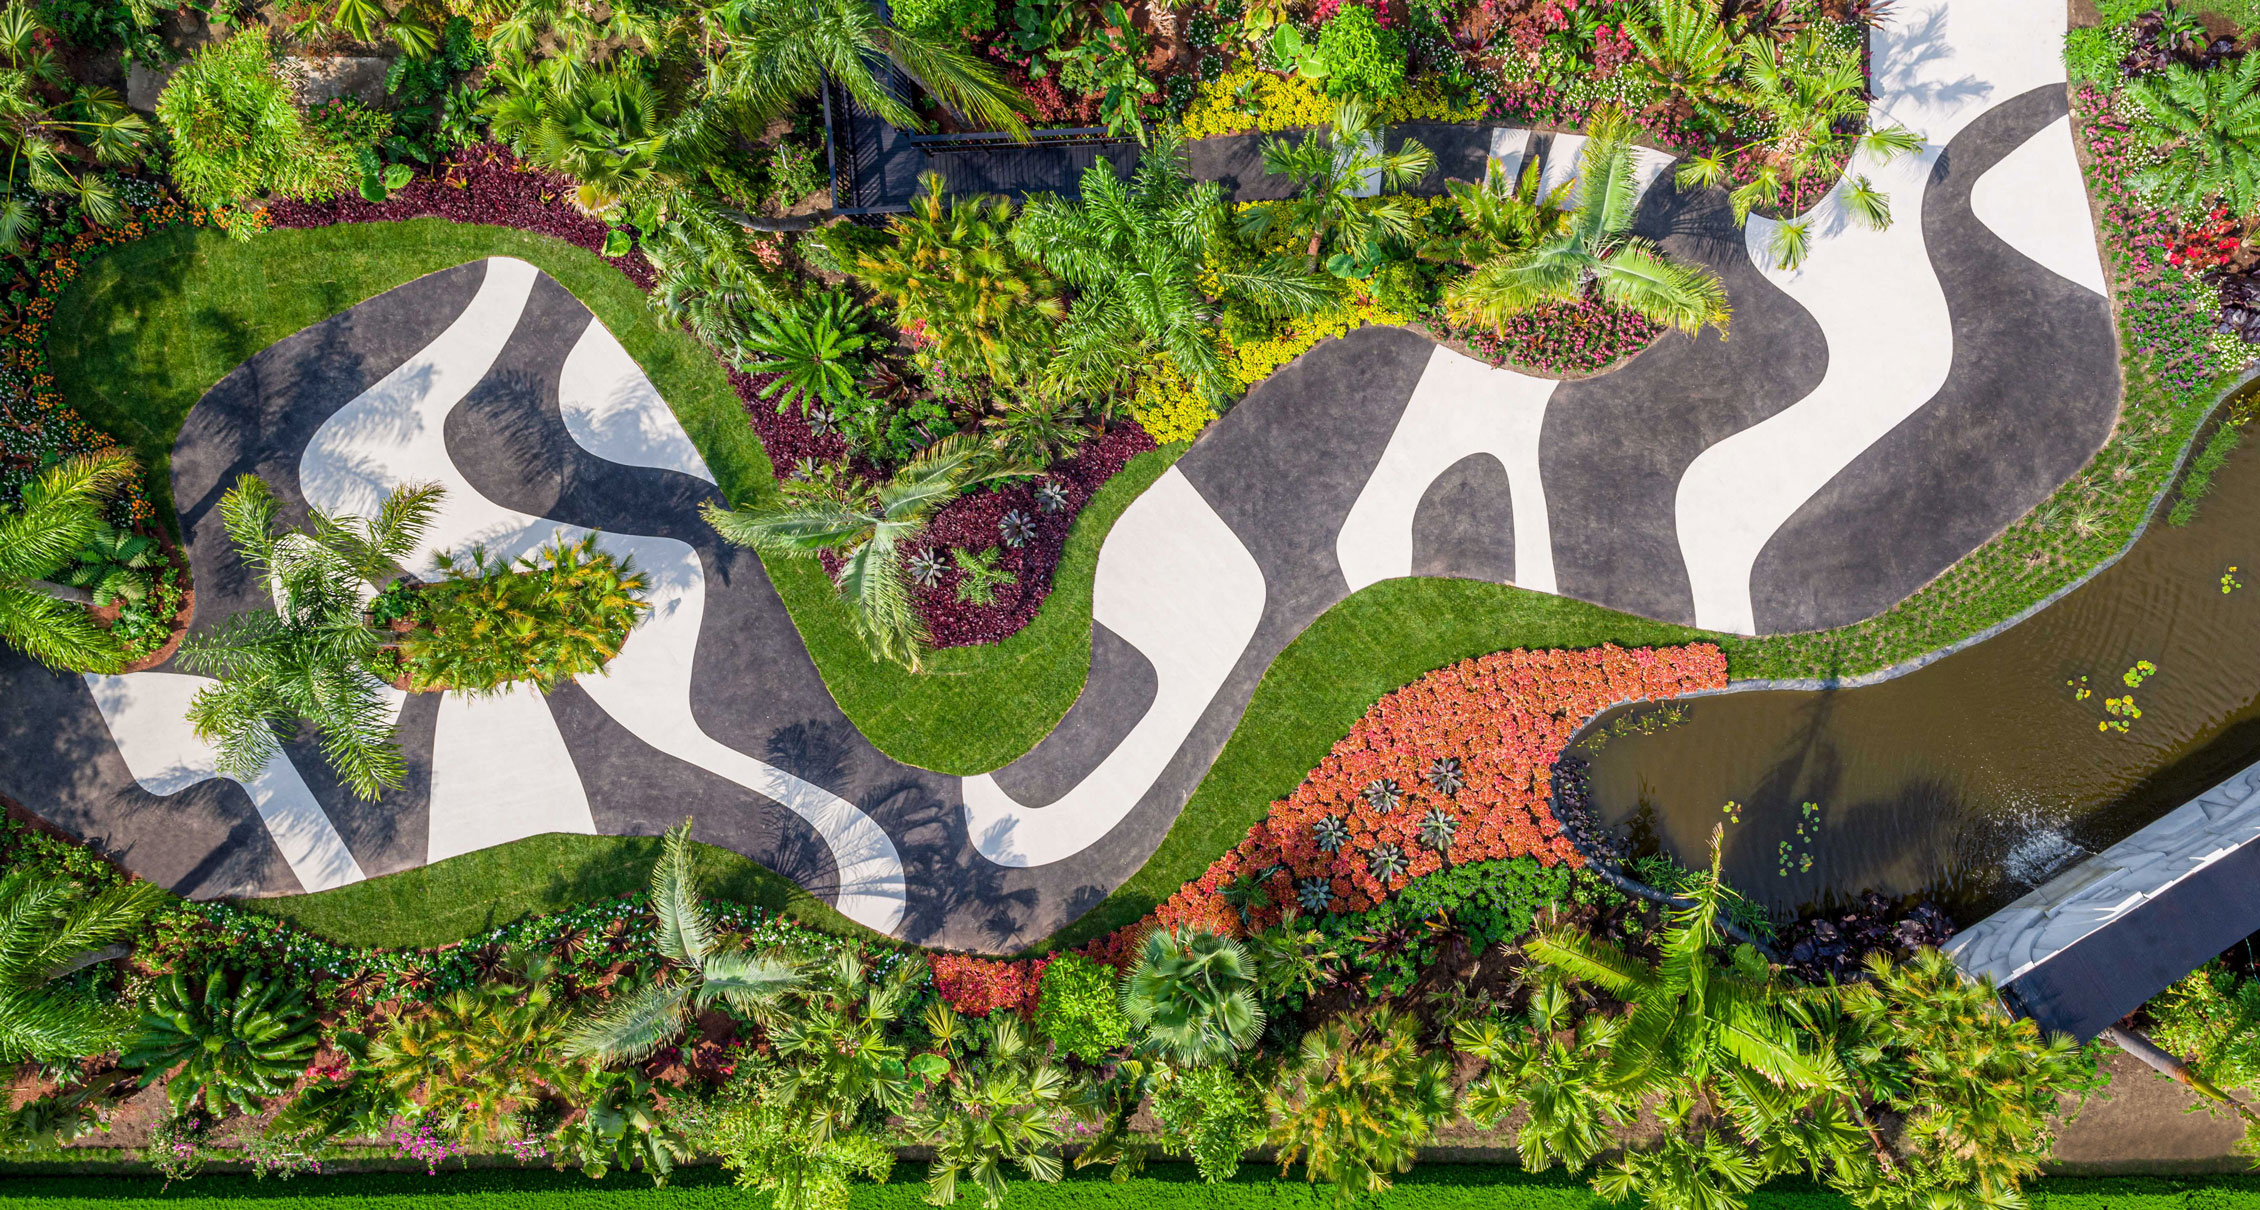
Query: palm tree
[
  {"x": 1359, "y": 1100},
  {"x": 873, "y": 528},
  {"x": 480, "y": 1057},
  {"x": 999, "y": 1105},
  {"x": 1331, "y": 171},
  {"x": 952, "y": 270},
  {"x": 33, "y": 130},
  {"x": 58, "y": 512},
  {"x": 2205, "y": 129},
  {"x": 1810, "y": 95},
  {"x": 1550, "y": 1062},
  {"x": 766, "y": 54},
  {"x": 1501, "y": 215},
  {"x": 1192, "y": 996},
  {"x": 632, "y": 1026},
  {"x": 49, "y": 926},
  {"x": 1687, "y": 53},
  {"x": 1136, "y": 251},
  {"x": 611, "y": 130},
  {"x": 309, "y": 658},
  {"x": 1594, "y": 257}
]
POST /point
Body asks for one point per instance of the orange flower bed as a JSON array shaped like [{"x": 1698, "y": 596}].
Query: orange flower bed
[{"x": 1454, "y": 768}]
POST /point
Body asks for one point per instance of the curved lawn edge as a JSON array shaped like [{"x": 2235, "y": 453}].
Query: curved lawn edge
[{"x": 148, "y": 327}]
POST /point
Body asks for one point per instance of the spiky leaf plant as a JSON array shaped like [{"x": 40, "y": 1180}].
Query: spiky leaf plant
[{"x": 235, "y": 1041}]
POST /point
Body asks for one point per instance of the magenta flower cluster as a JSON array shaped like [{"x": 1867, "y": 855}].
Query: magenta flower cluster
[{"x": 1562, "y": 340}]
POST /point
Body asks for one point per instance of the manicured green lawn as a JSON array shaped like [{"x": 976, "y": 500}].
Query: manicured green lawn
[{"x": 446, "y": 901}]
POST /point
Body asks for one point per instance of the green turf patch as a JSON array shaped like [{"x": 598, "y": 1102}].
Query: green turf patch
[{"x": 447, "y": 901}]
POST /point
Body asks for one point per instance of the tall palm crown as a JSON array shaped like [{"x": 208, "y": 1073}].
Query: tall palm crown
[
  {"x": 308, "y": 659},
  {"x": 1134, "y": 251},
  {"x": 768, "y": 53},
  {"x": 873, "y": 527},
  {"x": 1192, "y": 995},
  {"x": 33, "y": 129},
  {"x": 1331, "y": 172},
  {"x": 1594, "y": 256},
  {"x": 2205, "y": 126},
  {"x": 48, "y": 926},
  {"x": 57, "y": 513},
  {"x": 1548, "y": 1061},
  {"x": 632, "y": 1026},
  {"x": 1501, "y": 214},
  {"x": 996, "y": 1107},
  {"x": 1359, "y": 1099},
  {"x": 953, "y": 268}
]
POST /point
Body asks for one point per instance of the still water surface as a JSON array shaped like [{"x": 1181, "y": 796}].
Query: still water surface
[{"x": 1975, "y": 778}]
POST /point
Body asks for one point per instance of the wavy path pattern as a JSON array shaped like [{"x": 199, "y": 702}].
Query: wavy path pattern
[{"x": 1911, "y": 390}]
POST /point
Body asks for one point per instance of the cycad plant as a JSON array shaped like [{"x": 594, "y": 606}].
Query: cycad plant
[
  {"x": 235, "y": 1041},
  {"x": 952, "y": 271},
  {"x": 1191, "y": 997},
  {"x": 1359, "y": 1100},
  {"x": 1135, "y": 252},
  {"x": 311, "y": 657},
  {"x": 558, "y": 613},
  {"x": 58, "y": 513},
  {"x": 38, "y": 134},
  {"x": 872, "y": 528},
  {"x": 1687, "y": 57},
  {"x": 49, "y": 926},
  {"x": 815, "y": 349},
  {"x": 700, "y": 972},
  {"x": 1330, "y": 171},
  {"x": 2203, "y": 128},
  {"x": 1000, "y": 1106},
  {"x": 612, "y": 130},
  {"x": 1595, "y": 257}
]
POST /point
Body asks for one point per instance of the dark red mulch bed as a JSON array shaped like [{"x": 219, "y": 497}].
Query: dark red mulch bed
[
  {"x": 483, "y": 184},
  {"x": 971, "y": 523}
]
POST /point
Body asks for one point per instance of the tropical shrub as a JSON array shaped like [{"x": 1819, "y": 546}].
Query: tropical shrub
[
  {"x": 1002, "y": 1101},
  {"x": 39, "y": 110},
  {"x": 238, "y": 135},
  {"x": 2203, "y": 126},
  {"x": 1361, "y": 58},
  {"x": 1191, "y": 995},
  {"x": 235, "y": 1041},
  {"x": 556, "y": 614},
  {"x": 1215, "y": 1115},
  {"x": 1167, "y": 407},
  {"x": 980, "y": 986},
  {"x": 57, "y": 514},
  {"x": 481, "y": 1059},
  {"x": 2212, "y": 1018},
  {"x": 960, "y": 287},
  {"x": 1486, "y": 902},
  {"x": 1080, "y": 1010},
  {"x": 114, "y": 566}
]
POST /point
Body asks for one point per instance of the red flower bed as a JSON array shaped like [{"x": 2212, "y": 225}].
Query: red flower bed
[
  {"x": 1562, "y": 339},
  {"x": 1502, "y": 718},
  {"x": 980, "y": 986}
]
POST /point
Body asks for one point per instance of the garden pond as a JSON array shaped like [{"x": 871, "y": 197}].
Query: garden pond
[{"x": 1973, "y": 779}]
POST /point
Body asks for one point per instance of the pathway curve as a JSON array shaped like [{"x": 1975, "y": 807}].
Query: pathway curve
[{"x": 1874, "y": 417}]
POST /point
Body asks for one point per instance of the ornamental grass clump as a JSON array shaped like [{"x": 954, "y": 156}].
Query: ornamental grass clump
[{"x": 556, "y": 614}]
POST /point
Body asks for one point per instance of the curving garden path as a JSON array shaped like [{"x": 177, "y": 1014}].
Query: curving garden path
[{"x": 1875, "y": 416}]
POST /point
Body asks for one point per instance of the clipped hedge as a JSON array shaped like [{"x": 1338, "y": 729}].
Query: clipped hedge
[{"x": 1162, "y": 1187}]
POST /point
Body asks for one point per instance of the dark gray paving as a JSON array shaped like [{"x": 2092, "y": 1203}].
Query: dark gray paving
[{"x": 1465, "y": 523}]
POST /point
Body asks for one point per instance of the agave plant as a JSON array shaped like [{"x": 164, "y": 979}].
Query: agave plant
[
  {"x": 927, "y": 567},
  {"x": 1437, "y": 828},
  {"x": 634, "y": 1025},
  {"x": 1051, "y": 496},
  {"x": 1381, "y": 794},
  {"x": 1386, "y": 862},
  {"x": 1314, "y": 894},
  {"x": 1444, "y": 775},
  {"x": 1017, "y": 528},
  {"x": 235, "y": 1043},
  {"x": 1192, "y": 994},
  {"x": 1331, "y": 833}
]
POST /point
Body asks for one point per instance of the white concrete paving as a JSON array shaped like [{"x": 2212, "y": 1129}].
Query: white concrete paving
[
  {"x": 1939, "y": 65},
  {"x": 2036, "y": 202},
  {"x": 612, "y": 410},
  {"x": 501, "y": 771},
  {"x": 147, "y": 714},
  {"x": 1460, "y": 407},
  {"x": 1176, "y": 583}
]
